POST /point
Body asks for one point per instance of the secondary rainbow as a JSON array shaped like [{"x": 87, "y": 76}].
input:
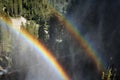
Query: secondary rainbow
[
  {"x": 90, "y": 51},
  {"x": 81, "y": 40},
  {"x": 76, "y": 35}
]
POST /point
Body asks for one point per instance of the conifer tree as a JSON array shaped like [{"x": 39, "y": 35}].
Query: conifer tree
[{"x": 19, "y": 7}]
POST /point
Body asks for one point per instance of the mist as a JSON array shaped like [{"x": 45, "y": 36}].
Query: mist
[
  {"x": 98, "y": 22},
  {"x": 28, "y": 60}
]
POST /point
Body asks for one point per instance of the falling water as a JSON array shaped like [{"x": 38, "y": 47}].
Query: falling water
[{"x": 27, "y": 59}]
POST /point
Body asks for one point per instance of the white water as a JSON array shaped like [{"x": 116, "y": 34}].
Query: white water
[{"x": 28, "y": 59}]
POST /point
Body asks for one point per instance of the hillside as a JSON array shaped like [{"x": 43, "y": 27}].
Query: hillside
[{"x": 82, "y": 35}]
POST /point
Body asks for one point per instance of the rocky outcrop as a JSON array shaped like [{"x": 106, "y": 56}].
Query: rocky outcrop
[{"x": 17, "y": 22}]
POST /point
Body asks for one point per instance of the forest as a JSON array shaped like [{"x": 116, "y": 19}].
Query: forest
[
  {"x": 40, "y": 16},
  {"x": 38, "y": 11},
  {"x": 43, "y": 24}
]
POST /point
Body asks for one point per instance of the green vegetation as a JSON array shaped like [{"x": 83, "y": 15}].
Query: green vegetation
[
  {"x": 42, "y": 24},
  {"x": 38, "y": 13},
  {"x": 27, "y": 8},
  {"x": 31, "y": 27},
  {"x": 111, "y": 74}
]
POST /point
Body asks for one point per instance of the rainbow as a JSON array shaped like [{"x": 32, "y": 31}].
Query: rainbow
[
  {"x": 42, "y": 49},
  {"x": 82, "y": 41},
  {"x": 75, "y": 33}
]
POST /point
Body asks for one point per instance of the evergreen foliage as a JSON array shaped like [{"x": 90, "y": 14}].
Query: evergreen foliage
[
  {"x": 36, "y": 11},
  {"x": 31, "y": 27}
]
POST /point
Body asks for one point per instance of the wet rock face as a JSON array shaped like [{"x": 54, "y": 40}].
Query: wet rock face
[
  {"x": 5, "y": 62},
  {"x": 10, "y": 76},
  {"x": 69, "y": 53},
  {"x": 101, "y": 17},
  {"x": 5, "y": 66}
]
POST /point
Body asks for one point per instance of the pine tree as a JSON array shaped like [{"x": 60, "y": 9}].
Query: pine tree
[
  {"x": 11, "y": 7},
  {"x": 19, "y": 7}
]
